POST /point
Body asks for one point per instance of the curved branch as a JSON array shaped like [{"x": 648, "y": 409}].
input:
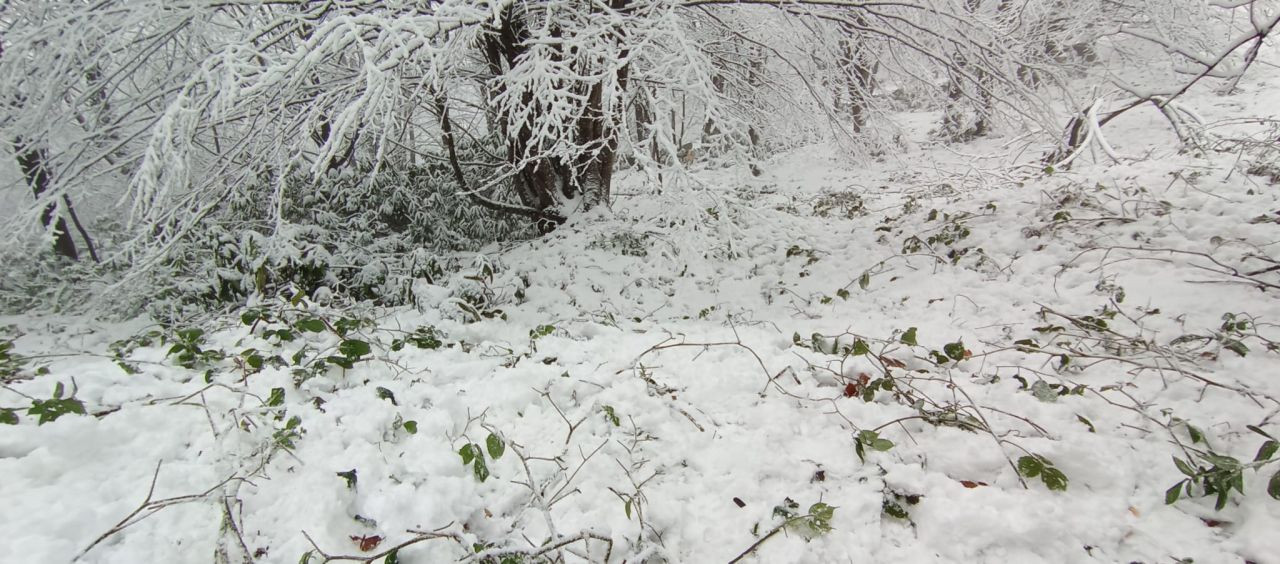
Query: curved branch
[{"x": 446, "y": 127}]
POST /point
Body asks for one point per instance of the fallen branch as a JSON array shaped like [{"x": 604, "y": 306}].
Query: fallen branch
[
  {"x": 150, "y": 507},
  {"x": 420, "y": 536},
  {"x": 768, "y": 536},
  {"x": 500, "y": 553}
]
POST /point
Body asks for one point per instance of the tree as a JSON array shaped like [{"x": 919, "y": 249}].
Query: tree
[
  {"x": 167, "y": 109},
  {"x": 32, "y": 161}
]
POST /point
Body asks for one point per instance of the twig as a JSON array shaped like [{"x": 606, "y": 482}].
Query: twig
[
  {"x": 768, "y": 536},
  {"x": 150, "y": 507},
  {"x": 498, "y": 553},
  {"x": 420, "y": 537}
]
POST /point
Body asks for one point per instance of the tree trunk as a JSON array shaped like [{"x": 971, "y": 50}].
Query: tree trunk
[
  {"x": 961, "y": 123},
  {"x": 542, "y": 181},
  {"x": 859, "y": 75},
  {"x": 32, "y": 161},
  {"x": 535, "y": 181}
]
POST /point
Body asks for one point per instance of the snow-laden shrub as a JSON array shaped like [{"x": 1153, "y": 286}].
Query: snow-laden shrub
[
  {"x": 353, "y": 236},
  {"x": 36, "y": 279}
]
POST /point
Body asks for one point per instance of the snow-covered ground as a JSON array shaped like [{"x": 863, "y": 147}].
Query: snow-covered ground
[{"x": 686, "y": 375}]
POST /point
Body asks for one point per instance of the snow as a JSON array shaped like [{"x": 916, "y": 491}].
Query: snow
[{"x": 755, "y": 417}]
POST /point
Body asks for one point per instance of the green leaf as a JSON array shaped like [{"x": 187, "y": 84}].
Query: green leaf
[
  {"x": 1086, "y": 422},
  {"x": 955, "y": 351},
  {"x": 626, "y": 508},
  {"x": 411, "y": 426},
  {"x": 468, "y": 453},
  {"x": 1184, "y": 467},
  {"x": 1221, "y": 461},
  {"x": 864, "y": 281},
  {"x": 860, "y": 347},
  {"x": 1235, "y": 346},
  {"x": 1030, "y": 466},
  {"x": 871, "y": 439},
  {"x": 354, "y": 349},
  {"x": 1223, "y": 495},
  {"x": 541, "y": 331},
  {"x": 1273, "y": 486},
  {"x": 190, "y": 335},
  {"x": 386, "y": 394},
  {"x": 8, "y": 416},
  {"x": 311, "y": 325},
  {"x": 822, "y": 511},
  {"x": 50, "y": 410},
  {"x": 808, "y": 526},
  {"x": 893, "y": 509},
  {"x": 481, "y": 470},
  {"x": 493, "y": 443},
  {"x": 248, "y": 317},
  {"x": 1044, "y": 392},
  {"x": 1027, "y": 344},
  {"x": 345, "y": 325},
  {"x": 612, "y": 416},
  {"x": 819, "y": 343},
  {"x": 1266, "y": 451},
  {"x": 1053, "y": 478},
  {"x": 349, "y": 476},
  {"x": 1171, "y": 494},
  {"x": 393, "y": 557},
  {"x": 909, "y": 338},
  {"x": 284, "y": 437},
  {"x": 276, "y": 398},
  {"x": 1259, "y": 431},
  {"x": 341, "y": 361},
  {"x": 1196, "y": 435},
  {"x": 306, "y": 558}
]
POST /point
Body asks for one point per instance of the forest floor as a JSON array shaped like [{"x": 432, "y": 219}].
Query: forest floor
[{"x": 949, "y": 355}]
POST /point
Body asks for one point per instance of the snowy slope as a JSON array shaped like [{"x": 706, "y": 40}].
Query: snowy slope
[{"x": 656, "y": 381}]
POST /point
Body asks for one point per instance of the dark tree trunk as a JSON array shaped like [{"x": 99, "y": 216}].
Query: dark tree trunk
[
  {"x": 33, "y": 163},
  {"x": 536, "y": 181},
  {"x": 345, "y": 156},
  {"x": 859, "y": 75},
  {"x": 709, "y": 128},
  {"x": 541, "y": 182},
  {"x": 956, "y": 125}
]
